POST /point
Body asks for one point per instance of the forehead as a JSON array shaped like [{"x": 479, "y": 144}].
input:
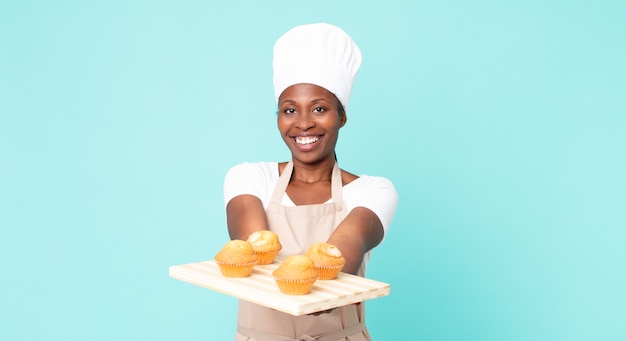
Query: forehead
[{"x": 306, "y": 91}]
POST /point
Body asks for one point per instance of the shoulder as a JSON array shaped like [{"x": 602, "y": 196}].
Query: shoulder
[
  {"x": 372, "y": 184},
  {"x": 255, "y": 169},
  {"x": 254, "y": 178},
  {"x": 363, "y": 180},
  {"x": 347, "y": 177},
  {"x": 251, "y": 176}
]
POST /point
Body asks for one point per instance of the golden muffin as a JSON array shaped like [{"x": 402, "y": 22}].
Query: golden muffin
[
  {"x": 295, "y": 275},
  {"x": 236, "y": 259},
  {"x": 327, "y": 258},
  {"x": 266, "y": 245}
]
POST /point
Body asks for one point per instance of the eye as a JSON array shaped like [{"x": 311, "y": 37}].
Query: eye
[
  {"x": 318, "y": 109},
  {"x": 289, "y": 111}
]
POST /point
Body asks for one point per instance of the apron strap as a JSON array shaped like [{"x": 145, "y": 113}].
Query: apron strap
[
  {"x": 283, "y": 182},
  {"x": 330, "y": 336},
  {"x": 336, "y": 190}
]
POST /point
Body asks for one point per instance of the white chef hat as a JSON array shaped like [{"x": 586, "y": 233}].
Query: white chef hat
[{"x": 320, "y": 54}]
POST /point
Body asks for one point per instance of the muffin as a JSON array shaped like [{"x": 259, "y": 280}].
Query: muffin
[
  {"x": 236, "y": 259},
  {"x": 266, "y": 245},
  {"x": 327, "y": 259},
  {"x": 295, "y": 275}
]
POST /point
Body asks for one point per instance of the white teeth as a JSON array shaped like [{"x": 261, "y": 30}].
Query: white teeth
[{"x": 307, "y": 139}]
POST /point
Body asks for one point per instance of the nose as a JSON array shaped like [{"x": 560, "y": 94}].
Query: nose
[{"x": 305, "y": 121}]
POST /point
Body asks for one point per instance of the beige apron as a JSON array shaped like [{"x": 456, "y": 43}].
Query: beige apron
[{"x": 298, "y": 227}]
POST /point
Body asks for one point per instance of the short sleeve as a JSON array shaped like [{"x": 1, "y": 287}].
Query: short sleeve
[
  {"x": 380, "y": 196},
  {"x": 253, "y": 178}
]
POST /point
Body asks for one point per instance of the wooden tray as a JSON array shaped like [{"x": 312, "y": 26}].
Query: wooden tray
[{"x": 260, "y": 288}]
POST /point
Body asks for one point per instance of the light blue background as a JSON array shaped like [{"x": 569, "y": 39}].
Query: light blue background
[{"x": 502, "y": 124}]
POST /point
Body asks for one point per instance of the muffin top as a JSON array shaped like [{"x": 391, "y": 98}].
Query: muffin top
[
  {"x": 296, "y": 267},
  {"x": 264, "y": 240},
  {"x": 325, "y": 254},
  {"x": 237, "y": 251}
]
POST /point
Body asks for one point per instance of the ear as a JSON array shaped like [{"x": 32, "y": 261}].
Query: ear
[
  {"x": 343, "y": 119},
  {"x": 342, "y": 113}
]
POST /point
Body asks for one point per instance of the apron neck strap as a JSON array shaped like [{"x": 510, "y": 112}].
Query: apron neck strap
[
  {"x": 283, "y": 181},
  {"x": 336, "y": 187}
]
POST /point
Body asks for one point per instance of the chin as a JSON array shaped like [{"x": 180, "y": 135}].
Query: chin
[{"x": 308, "y": 159}]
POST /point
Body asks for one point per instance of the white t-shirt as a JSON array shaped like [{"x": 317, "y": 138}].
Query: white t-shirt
[{"x": 260, "y": 178}]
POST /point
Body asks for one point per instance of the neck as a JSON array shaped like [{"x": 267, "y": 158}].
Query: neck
[{"x": 312, "y": 173}]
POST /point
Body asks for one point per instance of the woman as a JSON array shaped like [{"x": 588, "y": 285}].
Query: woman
[{"x": 310, "y": 199}]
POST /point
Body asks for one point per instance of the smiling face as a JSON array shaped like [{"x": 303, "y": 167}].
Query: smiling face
[{"x": 309, "y": 118}]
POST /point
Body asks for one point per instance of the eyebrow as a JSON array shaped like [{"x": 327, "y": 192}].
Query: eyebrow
[
  {"x": 319, "y": 100},
  {"x": 315, "y": 100}
]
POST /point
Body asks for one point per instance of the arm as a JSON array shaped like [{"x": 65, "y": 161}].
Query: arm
[
  {"x": 374, "y": 204},
  {"x": 244, "y": 215},
  {"x": 244, "y": 186},
  {"x": 358, "y": 233}
]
